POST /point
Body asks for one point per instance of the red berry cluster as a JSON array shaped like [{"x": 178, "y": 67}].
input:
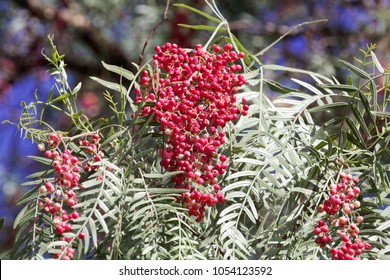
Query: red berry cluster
[
  {"x": 340, "y": 209},
  {"x": 91, "y": 146},
  {"x": 192, "y": 97},
  {"x": 59, "y": 192}
]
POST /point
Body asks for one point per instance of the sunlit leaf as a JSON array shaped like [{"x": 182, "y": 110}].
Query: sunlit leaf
[
  {"x": 110, "y": 85},
  {"x": 119, "y": 70}
]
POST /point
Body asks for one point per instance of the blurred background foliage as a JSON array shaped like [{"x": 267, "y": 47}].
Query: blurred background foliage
[{"x": 91, "y": 31}]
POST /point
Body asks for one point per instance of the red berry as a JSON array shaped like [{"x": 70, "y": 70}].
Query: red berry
[
  {"x": 81, "y": 235},
  {"x": 60, "y": 229},
  {"x": 74, "y": 215},
  {"x": 324, "y": 229},
  {"x": 321, "y": 223},
  {"x": 68, "y": 227},
  {"x": 228, "y": 47}
]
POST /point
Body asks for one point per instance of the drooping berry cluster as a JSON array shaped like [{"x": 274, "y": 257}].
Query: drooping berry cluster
[
  {"x": 60, "y": 197},
  {"x": 192, "y": 97},
  {"x": 341, "y": 215}
]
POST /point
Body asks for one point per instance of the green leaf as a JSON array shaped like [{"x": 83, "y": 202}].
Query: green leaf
[
  {"x": 91, "y": 182},
  {"x": 328, "y": 107},
  {"x": 373, "y": 232},
  {"x": 113, "y": 137},
  {"x": 356, "y": 133},
  {"x": 302, "y": 190},
  {"x": 57, "y": 243},
  {"x": 251, "y": 75},
  {"x": 166, "y": 191},
  {"x": 356, "y": 70},
  {"x": 230, "y": 209},
  {"x": 119, "y": 70},
  {"x": 355, "y": 141},
  {"x": 93, "y": 232},
  {"x": 243, "y": 173},
  {"x": 147, "y": 250},
  {"x": 45, "y": 161},
  {"x": 77, "y": 88},
  {"x": 201, "y": 27},
  {"x": 329, "y": 152},
  {"x": 308, "y": 86},
  {"x": 227, "y": 218},
  {"x": 358, "y": 115},
  {"x": 60, "y": 98},
  {"x": 329, "y": 124},
  {"x": 366, "y": 105},
  {"x": 384, "y": 226},
  {"x": 39, "y": 174},
  {"x": 24, "y": 214},
  {"x": 275, "y": 86},
  {"x": 101, "y": 220},
  {"x": 165, "y": 175},
  {"x": 347, "y": 88},
  {"x": 198, "y": 12},
  {"x": 110, "y": 85},
  {"x": 377, "y": 63},
  {"x": 31, "y": 194},
  {"x": 381, "y": 113},
  {"x": 235, "y": 195},
  {"x": 239, "y": 184},
  {"x": 253, "y": 209}
]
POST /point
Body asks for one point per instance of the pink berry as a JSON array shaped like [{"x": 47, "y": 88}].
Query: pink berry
[
  {"x": 346, "y": 209},
  {"x": 57, "y": 206},
  {"x": 71, "y": 202},
  {"x": 342, "y": 221},
  {"x": 356, "y": 190},
  {"x": 356, "y": 204},
  {"x": 48, "y": 154}
]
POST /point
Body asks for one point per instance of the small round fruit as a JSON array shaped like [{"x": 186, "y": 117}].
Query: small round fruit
[{"x": 81, "y": 235}]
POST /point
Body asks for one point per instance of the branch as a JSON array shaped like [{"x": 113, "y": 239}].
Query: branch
[{"x": 164, "y": 17}]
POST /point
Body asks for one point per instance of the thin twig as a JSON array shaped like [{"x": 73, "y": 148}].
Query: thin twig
[
  {"x": 287, "y": 33},
  {"x": 164, "y": 17}
]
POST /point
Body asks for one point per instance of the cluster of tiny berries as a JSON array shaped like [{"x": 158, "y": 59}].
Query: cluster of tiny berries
[
  {"x": 59, "y": 196},
  {"x": 340, "y": 209},
  {"x": 191, "y": 95}
]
